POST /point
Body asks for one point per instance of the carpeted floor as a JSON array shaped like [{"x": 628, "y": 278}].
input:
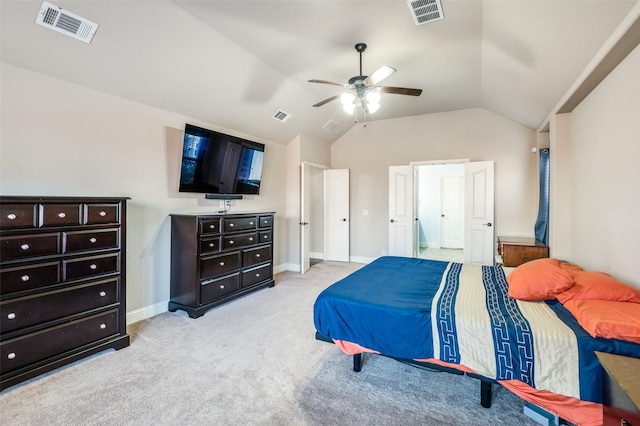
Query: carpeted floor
[{"x": 253, "y": 361}]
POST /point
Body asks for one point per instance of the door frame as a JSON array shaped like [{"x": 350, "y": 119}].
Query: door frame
[{"x": 305, "y": 208}]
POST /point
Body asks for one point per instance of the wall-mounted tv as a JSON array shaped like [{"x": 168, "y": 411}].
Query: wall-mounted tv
[{"x": 215, "y": 163}]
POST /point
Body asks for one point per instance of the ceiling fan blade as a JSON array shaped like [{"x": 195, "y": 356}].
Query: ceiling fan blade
[
  {"x": 329, "y": 82},
  {"x": 326, "y": 101},
  {"x": 401, "y": 90},
  {"x": 379, "y": 75}
]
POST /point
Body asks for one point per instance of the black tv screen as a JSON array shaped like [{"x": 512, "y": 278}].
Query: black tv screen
[{"x": 217, "y": 163}]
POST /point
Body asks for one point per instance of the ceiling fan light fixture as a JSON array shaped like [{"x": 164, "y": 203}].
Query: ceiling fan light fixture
[
  {"x": 372, "y": 107},
  {"x": 348, "y": 104}
]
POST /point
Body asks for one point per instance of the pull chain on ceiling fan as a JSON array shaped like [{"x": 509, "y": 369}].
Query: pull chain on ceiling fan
[{"x": 363, "y": 90}]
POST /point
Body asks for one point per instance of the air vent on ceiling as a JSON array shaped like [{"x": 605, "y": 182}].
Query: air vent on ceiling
[
  {"x": 330, "y": 125},
  {"x": 425, "y": 11},
  {"x": 282, "y": 116},
  {"x": 64, "y": 22}
]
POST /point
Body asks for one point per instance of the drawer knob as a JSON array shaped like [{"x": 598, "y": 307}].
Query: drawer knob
[
  {"x": 102, "y": 213},
  {"x": 24, "y": 247},
  {"x": 62, "y": 215},
  {"x": 221, "y": 263},
  {"x": 103, "y": 326},
  {"x": 93, "y": 266},
  {"x": 11, "y": 216},
  {"x": 257, "y": 254},
  {"x": 266, "y": 236},
  {"x": 93, "y": 240},
  {"x": 212, "y": 226},
  {"x": 25, "y": 278},
  {"x": 12, "y": 355},
  {"x": 230, "y": 241},
  {"x": 250, "y": 223},
  {"x": 102, "y": 293},
  {"x": 257, "y": 275},
  {"x": 231, "y": 225},
  {"x": 11, "y": 315},
  {"x": 211, "y": 245},
  {"x": 221, "y": 286},
  {"x": 250, "y": 238}
]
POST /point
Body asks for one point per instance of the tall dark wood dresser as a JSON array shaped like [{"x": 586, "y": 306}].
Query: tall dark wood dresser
[
  {"x": 62, "y": 282},
  {"x": 217, "y": 258}
]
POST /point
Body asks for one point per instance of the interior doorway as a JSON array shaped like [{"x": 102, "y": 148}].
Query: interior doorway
[
  {"x": 439, "y": 211},
  {"x": 311, "y": 215}
]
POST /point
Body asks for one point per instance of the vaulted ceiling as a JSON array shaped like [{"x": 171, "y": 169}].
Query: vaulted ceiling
[{"x": 236, "y": 63}]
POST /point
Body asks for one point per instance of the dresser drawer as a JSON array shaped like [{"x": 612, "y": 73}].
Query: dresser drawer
[
  {"x": 264, "y": 237},
  {"x": 233, "y": 224},
  {"x": 96, "y": 214},
  {"x": 254, "y": 256},
  {"x": 266, "y": 221},
  {"x": 28, "y": 349},
  {"x": 239, "y": 241},
  {"x": 209, "y": 226},
  {"x": 60, "y": 214},
  {"x": 219, "y": 265},
  {"x": 80, "y": 241},
  {"x": 216, "y": 288},
  {"x": 86, "y": 267},
  {"x": 209, "y": 245},
  {"x": 255, "y": 275},
  {"x": 29, "y": 277},
  {"x": 24, "y": 246},
  {"x": 18, "y": 216},
  {"x": 32, "y": 310}
]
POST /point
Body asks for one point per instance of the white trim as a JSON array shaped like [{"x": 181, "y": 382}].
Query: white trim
[
  {"x": 316, "y": 165},
  {"x": 286, "y": 267},
  {"x": 147, "y": 312},
  {"x": 360, "y": 259},
  {"x": 316, "y": 255},
  {"x": 436, "y": 162}
]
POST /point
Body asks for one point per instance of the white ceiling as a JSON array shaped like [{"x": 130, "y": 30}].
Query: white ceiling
[{"x": 235, "y": 63}]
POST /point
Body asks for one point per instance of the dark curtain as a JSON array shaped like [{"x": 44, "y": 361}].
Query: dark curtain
[{"x": 542, "y": 224}]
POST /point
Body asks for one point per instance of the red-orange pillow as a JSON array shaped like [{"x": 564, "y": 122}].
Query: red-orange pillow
[
  {"x": 591, "y": 285},
  {"x": 570, "y": 267},
  {"x": 606, "y": 318},
  {"x": 540, "y": 279}
]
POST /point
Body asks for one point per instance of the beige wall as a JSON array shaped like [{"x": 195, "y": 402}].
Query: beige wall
[
  {"x": 476, "y": 134},
  {"x": 62, "y": 139},
  {"x": 605, "y": 180}
]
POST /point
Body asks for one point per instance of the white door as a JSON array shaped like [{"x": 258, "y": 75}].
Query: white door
[
  {"x": 336, "y": 216},
  {"x": 479, "y": 226},
  {"x": 401, "y": 211},
  {"x": 452, "y": 211},
  {"x": 307, "y": 208}
]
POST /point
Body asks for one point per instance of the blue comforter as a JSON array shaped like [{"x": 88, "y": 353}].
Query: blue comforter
[{"x": 420, "y": 309}]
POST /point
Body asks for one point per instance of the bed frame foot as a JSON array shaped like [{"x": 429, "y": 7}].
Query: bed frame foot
[
  {"x": 357, "y": 363},
  {"x": 485, "y": 394}
]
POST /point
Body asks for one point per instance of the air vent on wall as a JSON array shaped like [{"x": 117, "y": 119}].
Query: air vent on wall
[
  {"x": 282, "y": 116},
  {"x": 425, "y": 11},
  {"x": 64, "y": 22},
  {"x": 330, "y": 125}
]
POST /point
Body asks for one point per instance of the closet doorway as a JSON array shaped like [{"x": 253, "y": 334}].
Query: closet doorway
[
  {"x": 311, "y": 214},
  {"x": 439, "y": 194}
]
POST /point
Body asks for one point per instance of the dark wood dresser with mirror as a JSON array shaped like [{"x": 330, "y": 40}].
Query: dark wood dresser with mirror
[
  {"x": 217, "y": 258},
  {"x": 62, "y": 282}
]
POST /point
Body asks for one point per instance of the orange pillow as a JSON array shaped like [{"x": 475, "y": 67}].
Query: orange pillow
[
  {"x": 591, "y": 285},
  {"x": 606, "y": 318},
  {"x": 540, "y": 279},
  {"x": 570, "y": 267}
]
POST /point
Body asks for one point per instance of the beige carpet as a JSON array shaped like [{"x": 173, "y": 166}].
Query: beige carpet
[{"x": 253, "y": 361}]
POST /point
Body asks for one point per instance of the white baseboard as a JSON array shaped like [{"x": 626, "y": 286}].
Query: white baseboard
[
  {"x": 147, "y": 312},
  {"x": 360, "y": 259},
  {"x": 316, "y": 255},
  {"x": 286, "y": 267}
]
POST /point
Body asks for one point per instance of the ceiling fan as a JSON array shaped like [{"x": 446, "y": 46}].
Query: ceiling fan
[{"x": 364, "y": 90}]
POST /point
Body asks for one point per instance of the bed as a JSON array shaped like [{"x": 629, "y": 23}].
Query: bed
[{"x": 461, "y": 318}]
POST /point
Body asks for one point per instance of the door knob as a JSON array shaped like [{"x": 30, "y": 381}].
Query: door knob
[
  {"x": 343, "y": 219},
  {"x": 487, "y": 224},
  {"x": 392, "y": 221}
]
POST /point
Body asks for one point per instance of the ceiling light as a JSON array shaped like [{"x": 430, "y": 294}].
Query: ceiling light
[{"x": 369, "y": 100}]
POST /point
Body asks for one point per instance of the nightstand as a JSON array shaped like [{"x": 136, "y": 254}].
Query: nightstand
[
  {"x": 515, "y": 251},
  {"x": 621, "y": 389}
]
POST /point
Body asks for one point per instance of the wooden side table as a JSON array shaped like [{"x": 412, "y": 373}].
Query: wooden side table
[
  {"x": 517, "y": 250},
  {"x": 621, "y": 389}
]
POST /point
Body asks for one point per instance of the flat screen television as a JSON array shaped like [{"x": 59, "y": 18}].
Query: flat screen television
[{"x": 215, "y": 163}]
